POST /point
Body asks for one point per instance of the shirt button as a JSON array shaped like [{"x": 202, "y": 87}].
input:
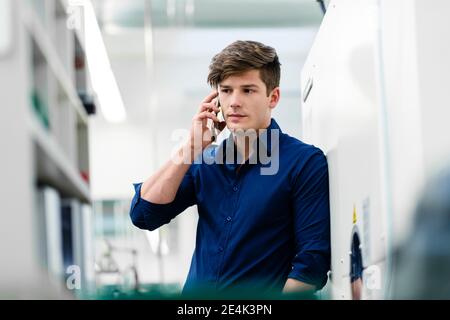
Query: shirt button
[
  {"x": 220, "y": 249},
  {"x": 228, "y": 218},
  {"x": 235, "y": 188}
]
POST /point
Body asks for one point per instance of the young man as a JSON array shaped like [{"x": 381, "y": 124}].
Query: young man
[{"x": 264, "y": 219}]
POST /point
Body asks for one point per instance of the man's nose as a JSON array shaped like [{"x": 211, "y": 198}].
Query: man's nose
[{"x": 235, "y": 101}]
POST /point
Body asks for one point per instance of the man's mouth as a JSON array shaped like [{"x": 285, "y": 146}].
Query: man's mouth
[{"x": 235, "y": 117}]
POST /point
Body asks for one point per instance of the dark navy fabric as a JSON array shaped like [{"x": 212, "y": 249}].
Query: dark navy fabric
[{"x": 253, "y": 230}]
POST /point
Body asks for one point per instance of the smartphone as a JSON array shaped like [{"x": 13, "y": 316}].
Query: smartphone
[{"x": 215, "y": 130}]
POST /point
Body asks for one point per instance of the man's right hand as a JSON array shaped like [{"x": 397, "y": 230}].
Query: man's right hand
[
  {"x": 162, "y": 186},
  {"x": 200, "y": 134}
]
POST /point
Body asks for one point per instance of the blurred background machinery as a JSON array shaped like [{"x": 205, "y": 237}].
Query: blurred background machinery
[{"x": 374, "y": 89}]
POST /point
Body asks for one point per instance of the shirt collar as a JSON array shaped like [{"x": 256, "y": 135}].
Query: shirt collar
[{"x": 263, "y": 141}]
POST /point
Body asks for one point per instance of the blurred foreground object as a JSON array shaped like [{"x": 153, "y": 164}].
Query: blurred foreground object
[{"x": 422, "y": 268}]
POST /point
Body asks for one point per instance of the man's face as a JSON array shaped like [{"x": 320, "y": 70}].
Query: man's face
[{"x": 245, "y": 103}]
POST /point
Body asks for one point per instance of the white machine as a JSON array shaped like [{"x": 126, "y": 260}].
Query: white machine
[{"x": 375, "y": 97}]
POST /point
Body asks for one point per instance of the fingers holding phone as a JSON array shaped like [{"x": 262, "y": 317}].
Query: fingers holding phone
[
  {"x": 204, "y": 122},
  {"x": 217, "y": 126}
]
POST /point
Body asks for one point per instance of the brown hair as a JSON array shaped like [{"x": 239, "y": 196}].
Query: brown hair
[{"x": 242, "y": 56}]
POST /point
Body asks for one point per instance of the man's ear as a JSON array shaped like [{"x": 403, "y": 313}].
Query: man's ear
[{"x": 274, "y": 97}]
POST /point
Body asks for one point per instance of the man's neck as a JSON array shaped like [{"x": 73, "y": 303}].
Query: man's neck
[{"x": 245, "y": 144}]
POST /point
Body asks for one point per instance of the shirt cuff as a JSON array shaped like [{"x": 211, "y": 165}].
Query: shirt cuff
[
  {"x": 313, "y": 273},
  {"x": 148, "y": 215}
]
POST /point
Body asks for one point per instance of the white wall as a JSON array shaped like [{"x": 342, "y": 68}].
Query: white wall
[
  {"x": 119, "y": 156},
  {"x": 380, "y": 71}
]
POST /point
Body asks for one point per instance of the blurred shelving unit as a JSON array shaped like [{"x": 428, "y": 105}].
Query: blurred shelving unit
[{"x": 46, "y": 205}]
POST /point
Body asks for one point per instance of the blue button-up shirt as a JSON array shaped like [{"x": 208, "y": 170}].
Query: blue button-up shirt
[{"x": 255, "y": 228}]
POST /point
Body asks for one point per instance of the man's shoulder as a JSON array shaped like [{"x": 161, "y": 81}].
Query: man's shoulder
[
  {"x": 298, "y": 147},
  {"x": 305, "y": 159}
]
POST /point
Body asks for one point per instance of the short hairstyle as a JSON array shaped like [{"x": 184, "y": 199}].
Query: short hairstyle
[{"x": 242, "y": 56}]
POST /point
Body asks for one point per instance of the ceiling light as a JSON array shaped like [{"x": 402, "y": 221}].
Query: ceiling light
[{"x": 102, "y": 77}]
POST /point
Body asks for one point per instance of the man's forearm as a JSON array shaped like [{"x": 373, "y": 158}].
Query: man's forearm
[
  {"x": 294, "y": 285},
  {"x": 162, "y": 186}
]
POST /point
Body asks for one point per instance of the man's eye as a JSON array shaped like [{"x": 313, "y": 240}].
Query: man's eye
[
  {"x": 225, "y": 90},
  {"x": 249, "y": 91}
]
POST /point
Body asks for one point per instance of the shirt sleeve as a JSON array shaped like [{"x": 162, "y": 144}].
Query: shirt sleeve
[
  {"x": 150, "y": 216},
  {"x": 312, "y": 222}
]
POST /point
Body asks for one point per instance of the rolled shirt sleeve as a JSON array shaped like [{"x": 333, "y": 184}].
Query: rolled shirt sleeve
[
  {"x": 150, "y": 216},
  {"x": 312, "y": 222}
]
